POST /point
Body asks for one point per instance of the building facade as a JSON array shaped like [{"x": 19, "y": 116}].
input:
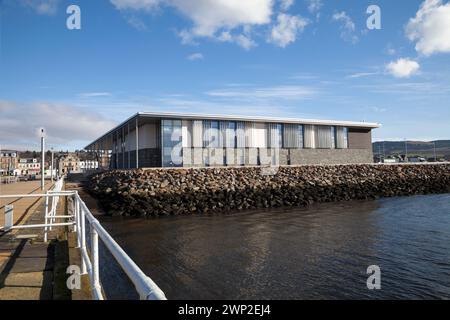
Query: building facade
[
  {"x": 71, "y": 163},
  {"x": 8, "y": 162},
  {"x": 191, "y": 140},
  {"x": 27, "y": 167}
]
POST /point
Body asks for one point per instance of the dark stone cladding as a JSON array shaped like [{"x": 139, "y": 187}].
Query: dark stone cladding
[
  {"x": 148, "y": 158},
  {"x": 195, "y": 157},
  {"x": 156, "y": 192}
]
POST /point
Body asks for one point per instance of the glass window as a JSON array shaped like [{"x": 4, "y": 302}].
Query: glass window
[
  {"x": 333, "y": 137},
  {"x": 171, "y": 143},
  {"x": 214, "y": 135},
  {"x": 345, "y": 138},
  {"x": 300, "y": 136},
  {"x": 274, "y": 135},
  {"x": 211, "y": 134},
  {"x": 231, "y": 138},
  {"x": 279, "y": 135}
]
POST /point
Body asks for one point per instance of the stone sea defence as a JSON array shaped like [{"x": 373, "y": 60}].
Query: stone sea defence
[{"x": 156, "y": 192}]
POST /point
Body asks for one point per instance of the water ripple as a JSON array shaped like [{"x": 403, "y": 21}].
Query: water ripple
[{"x": 320, "y": 252}]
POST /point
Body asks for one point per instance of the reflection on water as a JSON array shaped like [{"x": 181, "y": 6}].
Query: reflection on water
[{"x": 321, "y": 252}]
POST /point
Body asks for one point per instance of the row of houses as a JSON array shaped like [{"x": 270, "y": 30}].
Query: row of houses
[{"x": 12, "y": 165}]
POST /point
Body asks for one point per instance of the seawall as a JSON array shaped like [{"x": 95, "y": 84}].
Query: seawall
[{"x": 210, "y": 190}]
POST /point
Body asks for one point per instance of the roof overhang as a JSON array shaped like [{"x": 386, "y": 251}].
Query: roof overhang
[{"x": 199, "y": 116}]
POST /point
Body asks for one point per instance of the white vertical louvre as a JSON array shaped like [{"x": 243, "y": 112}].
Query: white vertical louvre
[
  {"x": 187, "y": 133},
  {"x": 289, "y": 135},
  {"x": 197, "y": 134},
  {"x": 259, "y": 135},
  {"x": 341, "y": 138},
  {"x": 223, "y": 133},
  {"x": 300, "y": 137},
  {"x": 230, "y": 135},
  {"x": 323, "y": 135},
  {"x": 206, "y": 133},
  {"x": 345, "y": 138},
  {"x": 293, "y": 136},
  {"x": 274, "y": 135},
  {"x": 240, "y": 134},
  {"x": 249, "y": 126},
  {"x": 333, "y": 137},
  {"x": 309, "y": 136}
]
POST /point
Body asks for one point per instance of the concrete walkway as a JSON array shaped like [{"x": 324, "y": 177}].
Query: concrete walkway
[
  {"x": 23, "y": 207},
  {"x": 29, "y": 268}
]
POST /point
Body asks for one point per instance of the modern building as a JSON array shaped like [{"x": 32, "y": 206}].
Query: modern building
[{"x": 150, "y": 139}]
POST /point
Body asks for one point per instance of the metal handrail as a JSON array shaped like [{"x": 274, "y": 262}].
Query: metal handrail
[
  {"x": 82, "y": 216},
  {"x": 50, "y": 216},
  {"x": 145, "y": 286}
]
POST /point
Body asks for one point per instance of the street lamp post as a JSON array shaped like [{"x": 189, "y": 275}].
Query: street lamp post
[
  {"x": 42, "y": 132},
  {"x": 53, "y": 166}
]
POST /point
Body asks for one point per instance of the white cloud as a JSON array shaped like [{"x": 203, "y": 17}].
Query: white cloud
[
  {"x": 244, "y": 41},
  {"x": 403, "y": 68},
  {"x": 431, "y": 28},
  {"x": 137, "y": 23},
  {"x": 195, "y": 56},
  {"x": 390, "y": 50},
  {"x": 64, "y": 124},
  {"x": 314, "y": 5},
  {"x": 276, "y": 92},
  {"x": 286, "y": 29},
  {"x": 362, "y": 75},
  {"x": 212, "y": 18},
  {"x": 241, "y": 39},
  {"x": 135, "y": 4},
  {"x": 347, "y": 26},
  {"x": 378, "y": 109},
  {"x": 286, "y": 4},
  {"x": 94, "y": 94},
  {"x": 47, "y": 7}
]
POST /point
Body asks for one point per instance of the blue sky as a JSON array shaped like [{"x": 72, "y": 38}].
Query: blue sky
[{"x": 303, "y": 58}]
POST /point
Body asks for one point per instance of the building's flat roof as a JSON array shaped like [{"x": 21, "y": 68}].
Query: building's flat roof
[{"x": 200, "y": 116}]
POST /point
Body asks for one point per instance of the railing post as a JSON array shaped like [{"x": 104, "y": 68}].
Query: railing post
[
  {"x": 51, "y": 212},
  {"x": 94, "y": 259},
  {"x": 74, "y": 213},
  {"x": 83, "y": 237},
  {"x": 9, "y": 217},
  {"x": 78, "y": 213},
  {"x": 46, "y": 218}
]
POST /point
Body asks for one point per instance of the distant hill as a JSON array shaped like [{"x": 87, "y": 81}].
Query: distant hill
[{"x": 415, "y": 148}]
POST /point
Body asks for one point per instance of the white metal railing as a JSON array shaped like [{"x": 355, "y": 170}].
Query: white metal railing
[
  {"x": 50, "y": 216},
  {"x": 79, "y": 219},
  {"x": 54, "y": 193}
]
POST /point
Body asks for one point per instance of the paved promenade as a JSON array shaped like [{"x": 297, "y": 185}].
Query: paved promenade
[
  {"x": 22, "y": 207},
  {"x": 29, "y": 268}
]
